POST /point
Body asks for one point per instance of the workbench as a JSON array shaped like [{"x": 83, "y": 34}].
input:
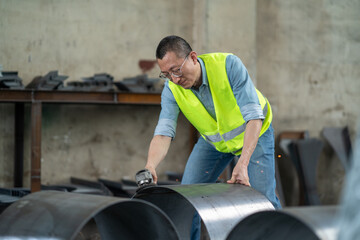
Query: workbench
[{"x": 36, "y": 98}]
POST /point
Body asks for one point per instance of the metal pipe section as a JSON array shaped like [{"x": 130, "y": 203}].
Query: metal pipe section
[
  {"x": 219, "y": 205},
  {"x": 296, "y": 223},
  {"x": 60, "y": 215}
]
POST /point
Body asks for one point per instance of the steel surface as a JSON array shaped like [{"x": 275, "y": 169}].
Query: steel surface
[
  {"x": 339, "y": 140},
  {"x": 62, "y": 215},
  {"x": 309, "y": 151},
  {"x": 219, "y": 205},
  {"x": 291, "y": 223}
]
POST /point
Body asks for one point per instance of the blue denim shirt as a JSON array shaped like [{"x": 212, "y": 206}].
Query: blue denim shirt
[{"x": 241, "y": 85}]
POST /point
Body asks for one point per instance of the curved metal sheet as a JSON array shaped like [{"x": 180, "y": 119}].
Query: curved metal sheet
[
  {"x": 62, "y": 215},
  {"x": 339, "y": 140},
  {"x": 291, "y": 223},
  {"x": 309, "y": 151},
  {"x": 220, "y": 205}
]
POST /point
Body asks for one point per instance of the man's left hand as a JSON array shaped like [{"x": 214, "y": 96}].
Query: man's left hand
[{"x": 240, "y": 174}]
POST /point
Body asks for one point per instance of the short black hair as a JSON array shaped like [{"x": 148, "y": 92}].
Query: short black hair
[{"x": 174, "y": 44}]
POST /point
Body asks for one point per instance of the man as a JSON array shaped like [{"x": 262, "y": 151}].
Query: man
[{"x": 216, "y": 94}]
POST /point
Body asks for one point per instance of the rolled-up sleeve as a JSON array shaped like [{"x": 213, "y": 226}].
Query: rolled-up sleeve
[
  {"x": 169, "y": 114},
  {"x": 252, "y": 111},
  {"x": 243, "y": 88}
]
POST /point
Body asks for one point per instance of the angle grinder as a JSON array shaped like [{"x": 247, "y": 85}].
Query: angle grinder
[{"x": 144, "y": 179}]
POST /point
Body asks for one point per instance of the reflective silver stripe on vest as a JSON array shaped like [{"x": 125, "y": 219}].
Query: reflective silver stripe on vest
[
  {"x": 213, "y": 138},
  {"x": 233, "y": 133},
  {"x": 265, "y": 110},
  {"x": 239, "y": 130}
]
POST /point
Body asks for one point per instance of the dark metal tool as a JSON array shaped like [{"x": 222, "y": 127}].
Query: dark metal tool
[{"x": 144, "y": 178}]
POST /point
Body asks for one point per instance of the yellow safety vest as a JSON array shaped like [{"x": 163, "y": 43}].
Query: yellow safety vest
[{"x": 226, "y": 133}]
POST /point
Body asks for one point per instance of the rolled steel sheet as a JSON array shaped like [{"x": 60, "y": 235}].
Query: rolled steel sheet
[
  {"x": 291, "y": 223},
  {"x": 59, "y": 215},
  {"x": 220, "y": 206}
]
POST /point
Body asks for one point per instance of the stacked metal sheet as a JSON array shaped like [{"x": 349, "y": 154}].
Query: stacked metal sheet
[
  {"x": 51, "y": 81},
  {"x": 11, "y": 80},
  {"x": 98, "y": 82}
]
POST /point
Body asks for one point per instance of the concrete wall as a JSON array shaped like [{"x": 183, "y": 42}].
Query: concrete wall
[
  {"x": 81, "y": 38},
  {"x": 308, "y": 62},
  {"x": 303, "y": 55},
  {"x": 308, "y": 66},
  {"x": 227, "y": 26}
]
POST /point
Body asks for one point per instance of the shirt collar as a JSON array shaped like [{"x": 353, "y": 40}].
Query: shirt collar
[{"x": 203, "y": 74}]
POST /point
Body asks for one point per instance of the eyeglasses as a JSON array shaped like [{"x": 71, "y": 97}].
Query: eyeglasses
[{"x": 175, "y": 73}]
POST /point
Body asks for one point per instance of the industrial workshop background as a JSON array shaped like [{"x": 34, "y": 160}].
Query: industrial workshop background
[{"x": 302, "y": 55}]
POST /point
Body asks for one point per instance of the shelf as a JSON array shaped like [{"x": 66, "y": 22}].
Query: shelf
[
  {"x": 28, "y": 96},
  {"x": 37, "y": 98}
]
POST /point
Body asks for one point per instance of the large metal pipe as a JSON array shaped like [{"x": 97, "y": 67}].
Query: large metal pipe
[
  {"x": 291, "y": 223},
  {"x": 220, "y": 206},
  {"x": 60, "y": 215}
]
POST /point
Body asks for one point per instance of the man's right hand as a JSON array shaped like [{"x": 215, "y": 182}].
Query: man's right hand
[
  {"x": 157, "y": 151},
  {"x": 153, "y": 173}
]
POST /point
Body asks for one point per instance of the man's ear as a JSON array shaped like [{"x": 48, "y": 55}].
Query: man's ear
[{"x": 193, "y": 56}]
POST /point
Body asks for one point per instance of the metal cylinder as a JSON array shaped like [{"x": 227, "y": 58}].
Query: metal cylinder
[
  {"x": 296, "y": 223},
  {"x": 220, "y": 206},
  {"x": 59, "y": 215}
]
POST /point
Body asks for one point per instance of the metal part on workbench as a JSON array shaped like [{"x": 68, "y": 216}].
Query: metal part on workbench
[
  {"x": 140, "y": 84},
  {"x": 291, "y": 223},
  {"x": 98, "y": 82},
  {"x": 51, "y": 81},
  {"x": 63, "y": 215},
  {"x": 220, "y": 205},
  {"x": 11, "y": 80}
]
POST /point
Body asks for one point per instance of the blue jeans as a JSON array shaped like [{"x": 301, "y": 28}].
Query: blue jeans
[{"x": 205, "y": 165}]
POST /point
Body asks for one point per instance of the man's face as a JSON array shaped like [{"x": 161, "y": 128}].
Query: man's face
[{"x": 170, "y": 63}]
